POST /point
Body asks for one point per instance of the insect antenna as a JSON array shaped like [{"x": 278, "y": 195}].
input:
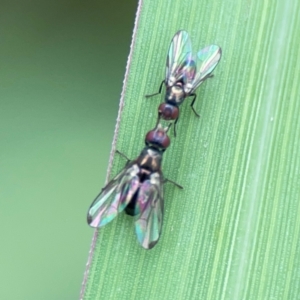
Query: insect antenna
[{"x": 173, "y": 182}]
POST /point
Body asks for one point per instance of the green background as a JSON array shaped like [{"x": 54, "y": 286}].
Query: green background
[{"x": 61, "y": 72}]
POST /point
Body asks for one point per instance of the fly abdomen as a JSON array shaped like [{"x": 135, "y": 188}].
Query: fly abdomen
[
  {"x": 130, "y": 208},
  {"x": 175, "y": 94}
]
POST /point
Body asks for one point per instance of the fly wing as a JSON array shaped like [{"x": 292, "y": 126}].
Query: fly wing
[
  {"x": 179, "y": 56},
  {"x": 206, "y": 61},
  {"x": 149, "y": 209},
  {"x": 114, "y": 197}
]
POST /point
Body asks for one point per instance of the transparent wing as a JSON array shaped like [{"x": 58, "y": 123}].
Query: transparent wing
[
  {"x": 149, "y": 210},
  {"x": 206, "y": 61},
  {"x": 178, "y": 58},
  {"x": 114, "y": 197}
]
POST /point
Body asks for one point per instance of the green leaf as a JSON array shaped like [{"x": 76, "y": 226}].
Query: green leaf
[{"x": 233, "y": 232}]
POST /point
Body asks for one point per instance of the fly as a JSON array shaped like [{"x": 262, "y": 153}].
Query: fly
[
  {"x": 184, "y": 74},
  {"x": 137, "y": 189}
]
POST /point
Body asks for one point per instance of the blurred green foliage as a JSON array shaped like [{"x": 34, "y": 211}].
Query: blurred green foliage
[{"x": 62, "y": 67}]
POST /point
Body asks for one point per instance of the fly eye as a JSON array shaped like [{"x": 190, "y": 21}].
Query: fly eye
[
  {"x": 158, "y": 138},
  {"x": 168, "y": 111}
]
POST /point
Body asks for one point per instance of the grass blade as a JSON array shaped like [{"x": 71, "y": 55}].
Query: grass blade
[{"x": 233, "y": 232}]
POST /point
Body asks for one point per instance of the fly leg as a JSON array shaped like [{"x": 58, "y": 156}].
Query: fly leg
[
  {"x": 173, "y": 182},
  {"x": 195, "y": 96},
  {"x": 168, "y": 127},
  {"x": 157, "y": 122},
  {"x": 175, "y": 125},
  {"x": 158, "y": 118},
  {"x": 193, "y": 101},
  {"x": 123, "y": 155},
  {"x": 159, "y": 91}
]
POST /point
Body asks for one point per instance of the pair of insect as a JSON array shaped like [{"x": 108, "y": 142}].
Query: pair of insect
[{"x": 138, "y": 188}]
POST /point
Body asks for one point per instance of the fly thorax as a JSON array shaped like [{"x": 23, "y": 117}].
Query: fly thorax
[
  {"x": 151, "y": 160},
  {"x": 175, "y": 94}
]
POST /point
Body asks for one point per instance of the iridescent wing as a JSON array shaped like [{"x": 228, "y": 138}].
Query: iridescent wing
[
  {"x": 149, "y": 211},
  {"x": 206, "y": 61},
  {"x": 114, "y": 197},
  {"x": 179, "y": 56}
]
